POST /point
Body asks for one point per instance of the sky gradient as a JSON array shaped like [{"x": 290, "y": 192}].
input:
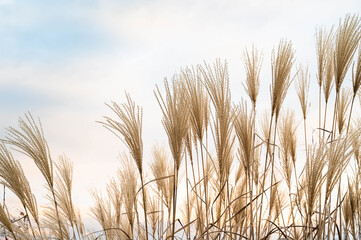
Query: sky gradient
[{"x": 61, "y": 60}]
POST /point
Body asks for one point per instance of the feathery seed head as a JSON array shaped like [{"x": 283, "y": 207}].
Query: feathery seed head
[
  {"x": 302, "y": 89},
  {"x": 198, "y": 102},
  {"x": 347, "y": 39},
  {"x": 324, "y": 40},
  {"x": 282, "y": 63},
  {"x": 216, "y": 80},
  {"x": 128, "y": 128},
  {"x": 31, "y": 141},
  {"x": 175, "y": 116},
  {"x": 252, "y": 63}
]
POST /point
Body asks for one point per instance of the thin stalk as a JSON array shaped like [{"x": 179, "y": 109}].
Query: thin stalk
[
  {"x": 175, "y": 186},
  {"x": 339, "y": 187},
  {"x": 322, "y": 223},
  {"x": 4, "y": 196},
  {"x": 339, "y": 207},
  {"x": 160, "y": 227},
  {"x": 332, "y": 137},
  {"x": 195, "y": 187},
  {"x": 57, "y": 212},
  {"x": 72, "y": 227},
  {"x": 293, "y": 216},
  {"x": 306, "y": 149},
  {"x": 272, "y": 163},
  {"x": 252, "y": 169},
  {"x": 81, "y": 236},
  {"x": 145, "y": 207},
  {"x": 324, "y": 122},
  {"x": 319, "y": 114},
  {"x": 199, "y": 172},
  {"x": 264, "y": 178},
  {"x": 334, "y": 118},
  {"x": 13, "y": 236},
  {"x": 305, "y": 133},
  {"x": 229, "y": 209},
  {"x": 308, "y": 233},
  {"x": 328, "y": 212},
  {"x": 4, "y": 205},
  {"x": 188, "y": 212},
  {"x": 205, "y": 180},
  {"x": 349, "y": 118},
  {"x": 247, "y": 189},
  {"x": 198, "y": 180},
  {"x": 138, "y": 222},
  {"x": 31, "y": 226}
]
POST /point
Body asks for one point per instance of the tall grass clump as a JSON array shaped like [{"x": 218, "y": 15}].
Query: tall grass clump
[
  {"x": 227, "y": 171},
  {"x": 176, "y": 123},
  {"x": 129, "y": 129}
]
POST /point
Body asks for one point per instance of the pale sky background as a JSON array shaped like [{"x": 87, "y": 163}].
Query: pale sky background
[{"x": 61, "y": 60}]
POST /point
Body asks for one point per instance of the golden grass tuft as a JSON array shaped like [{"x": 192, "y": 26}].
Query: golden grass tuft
[
  {"x": 253, "y": 64},
  {"x": 347, "y": 39},
  {"x": 128, "y": 128},
  {"x": 220, "y": 198},
  {"x": 282, "y": 63},
  {"x": 302, "y": 89}
]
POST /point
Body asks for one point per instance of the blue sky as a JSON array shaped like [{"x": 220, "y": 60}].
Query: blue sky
[
  {"x": 48, "y": 32},
  {"x": 62, "y": 60}
]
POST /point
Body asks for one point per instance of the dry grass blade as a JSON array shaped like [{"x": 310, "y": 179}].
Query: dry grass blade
[
  {"x": 281, "y": 70},
  {"x": 252, "y": 63},
  {"x": 347, "y": 38}
]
